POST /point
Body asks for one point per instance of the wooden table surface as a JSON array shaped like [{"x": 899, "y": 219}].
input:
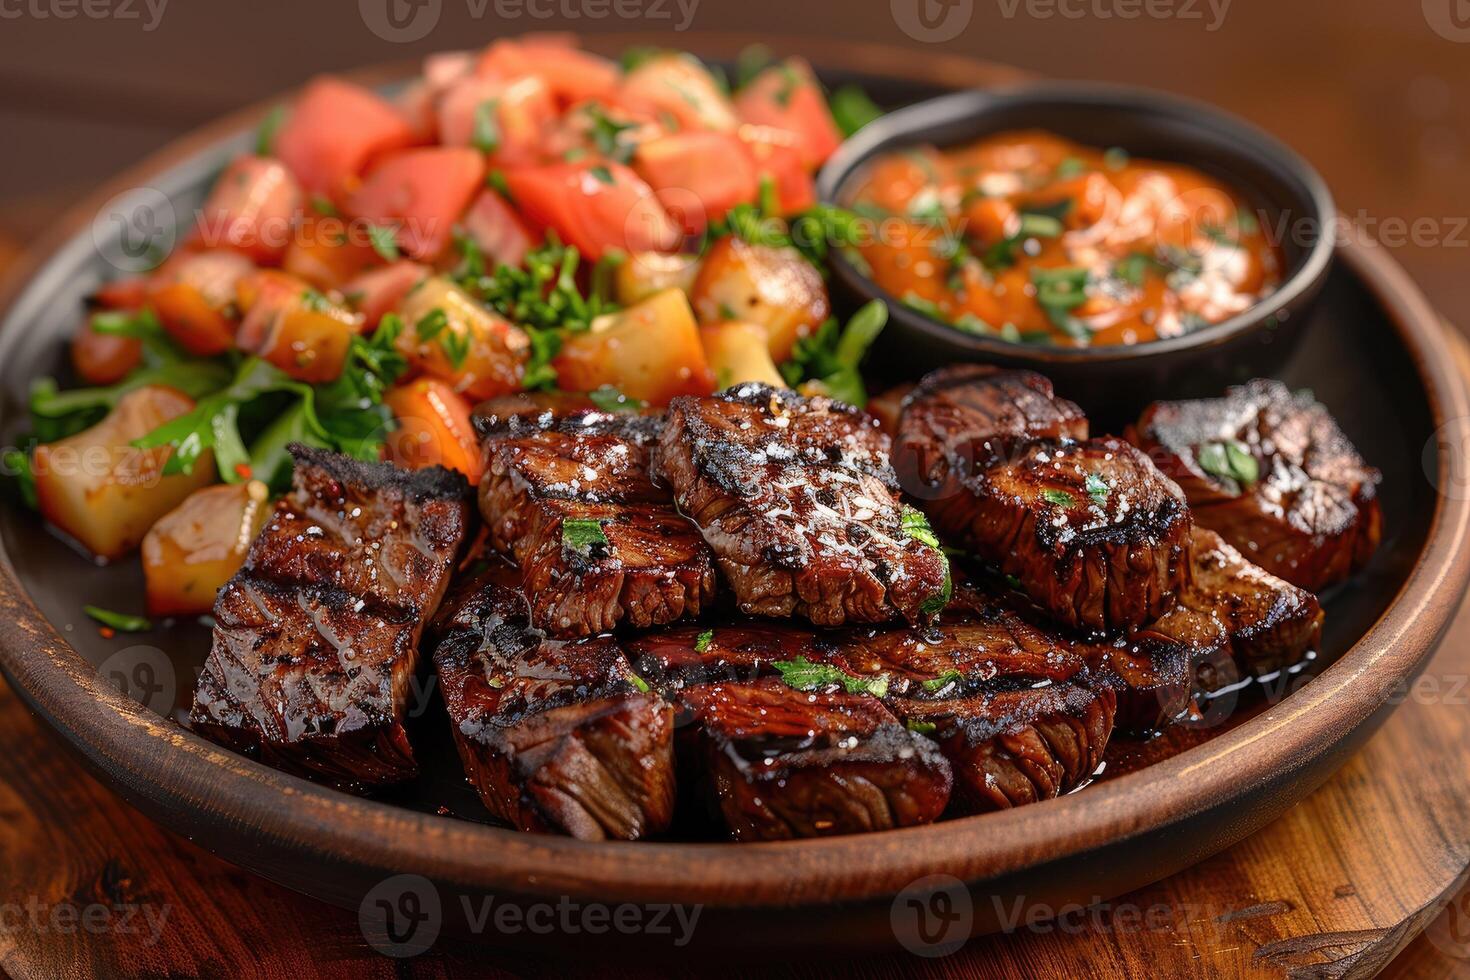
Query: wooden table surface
[{"x": 1371, "y": 92}]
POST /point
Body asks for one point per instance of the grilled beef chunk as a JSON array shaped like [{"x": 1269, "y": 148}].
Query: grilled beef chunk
[
  {"x": 316, "y": 637},
  {"x": 959, "y": 421},
  {"x": 798, "y": 500},
  {"x": 570, "y": 499},
  {"x": 1096, "y": 535},
  {"x": 556, "y": 736},
  {"x": 1005, "y": 700},
  {"x": 1014, "y": 747},
  {"x": 1274, "y": 475},
  {"x": 1094, "y": 532},
  {"x": 785, "y": 763}
]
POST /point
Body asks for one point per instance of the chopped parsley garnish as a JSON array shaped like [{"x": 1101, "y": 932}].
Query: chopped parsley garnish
[
  {"x": 942, "y": 681},
  {"x": 1230, "y": 459},
  {"x": 702, "y": 642},
  {"x": 384, "y": 241},
  {"x": 751, "y": 61},
  {"x": 639, "y": 683},
  {"x": 456, "y": 347},
  {"x": 15, "y": 464},
  {"x": 1069, "y": 168},
  {"x": 1058, "y": 292},
  {"x": 486, "y": 135},
  {"x": 804, "y": 675},
  {"x": 601, "y": 173},
  {"x": 919, "y": 727},
  {"x": 1059, "y": 497},
  {"x": 1097, "y": 488},
  {"x": 1115, "y": 158},
  {"x": 265, "y": 136},
  {"x": 584, "y": 537},
  {"x": 315, "y": 301},
  {"x": 832, "y": 355},
  {"x": 431, "y": 324},
  {"x": 323, "y": 206},
  {"x": 1133, "y": 268},
  {"x": 607, "y": 132},
  {"x": 916, "y": 526},
  {"x": 609, "y": 399},
  {"x": 122, "y": 622},
  {"x": 852, "y": 109}
]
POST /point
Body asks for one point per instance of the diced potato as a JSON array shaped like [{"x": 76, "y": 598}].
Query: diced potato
[
  {"x": 100, "y": 489},
  {"x": 194, "y": 549},
  {"x": 737, "y": 352},
  {"x": 449, "y": 335},
  {"x": 330, "y": 252},
  {"x": 647, "y": 273},
  {"x": 650, "y": 351},
  {"x": 194, "y": 298},
  {"x": 774, "y": 287},
  {"x": 294, "y": 327}
]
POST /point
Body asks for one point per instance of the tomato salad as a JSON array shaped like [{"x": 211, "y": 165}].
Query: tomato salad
[
  {"x": 1033, "y": 238},
  {"x": 529, "y": 218}
]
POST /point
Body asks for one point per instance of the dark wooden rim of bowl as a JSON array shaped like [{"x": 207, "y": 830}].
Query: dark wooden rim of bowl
[
  {"x": 906, "y": 127},
  {"x": 149, "y": 759}
]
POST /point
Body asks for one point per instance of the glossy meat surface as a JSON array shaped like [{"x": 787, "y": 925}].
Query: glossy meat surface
[
  {"x": 570, "y": 499},
  {"x": 316, "y": 637},
  {"x": 1270, "y": 471},
  {"x": 796, "y": 497}
]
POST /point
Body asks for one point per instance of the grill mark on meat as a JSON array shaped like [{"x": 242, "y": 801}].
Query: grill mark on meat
[
  {"x": 586, "y": 466},
  {"x": 316, "y": 636},
  {"x": 797, "y": 499},
  {"x": 1094, "y": 532},
  {"x": 1313, "y": 517},
  {"x": 555, "y": 735},
  {"x": 783, "y": 763}
]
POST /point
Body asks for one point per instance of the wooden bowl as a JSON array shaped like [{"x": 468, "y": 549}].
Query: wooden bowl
[
  {"x": 1379, "y": 358},
  {"x": 1113, "y": 382}
]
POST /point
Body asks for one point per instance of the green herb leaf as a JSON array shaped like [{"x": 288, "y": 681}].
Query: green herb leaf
[
  {"x": 702, "y": 642},
  {"x": 1069, "y": 168},
  {"x": 916, "y": 526},
  {"x": 609, "y": 399},
  {"x": 431, "y": 324},
  {"x": 803, "y": 675},
  {"x": 833, "y": 356},
  {"x": 1115, "y": 158},
  {"x": 1059, "y": 497},
  {"x": 385, "y": 242},
  {"x": 122, "y": 622},
  {"x": 751, "y": 61},
  {"x": 1097, "y": 488},
  {"x": 323, "y": 206},
  {"x": 920, "y": 727},
  {"x": 265, "y": 136},
  {"x": 1231, "y": 460},
  {"x": 852, "y": 109},
  {"x": 601, "y": 173},
  {"x": 639, "y": 683},
  {"x": 944, "y": 680},
  {"x": 456, "y": 347},
  {"x": 15, "y": 464},
  {"x": 486, "y": 135},
  {"x": 584, "y": 537}
]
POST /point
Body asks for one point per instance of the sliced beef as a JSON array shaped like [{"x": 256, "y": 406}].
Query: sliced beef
[
  {"x": 316, "y": 637},
  {"x": 797, "y": 498},
  {"x": 1274, "y": 475},
  {"x": 556, "y": 736},
  {"x": 1095, "y": 534},
  {"x": 1093, "y": 531},
  {"x": 569, "y": 497},
  {"x": 959, "y": 421},
  {"x": 784, "y": 763}
]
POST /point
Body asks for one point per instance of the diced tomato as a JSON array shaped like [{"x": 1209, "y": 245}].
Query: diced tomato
[
  {"x": 252, "y": 209},
  {"x": 698, "y": 176},
  {"x": 194, "y": 295},
  {"x": 329, "y": 252},
  {"x": 507, "y": 119},
  {"x": 422, "y": 193},
  {"x": 122, "y": 294},
  {"x": 682, "y": 87},
  {"x": 294, "y": 327},
  {"x": 433, "y": 428},
  {"x": 380, "y": 291},
  {"x": 334, "y": 131},
  {"x": 104, "y": 358},
  {"x": 499, "y": 232},
  {"x": 570, "y": 75},
  {"x": 416, "y": 104},
  {"x": 776, "y": 156},
  {"x": 787, "y": 96},
  {"x": 443, "y": 69},
  {"x": 594, "y": 207}
]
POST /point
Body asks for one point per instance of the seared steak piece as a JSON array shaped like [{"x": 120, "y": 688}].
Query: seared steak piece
[
  {"x": 784, "y": 763},
  {"x": 798, "y": 500},
  {"x": 570, "y": 499},
  {"x": 316, "y": 637},
  {"x": 1095, "y": 534},
  {"x": 1274, "y": 475},
  {"x": 556, "y": 736},
  {"x": 959, "y": 421},
  {"x": 1014, "y": 747}
]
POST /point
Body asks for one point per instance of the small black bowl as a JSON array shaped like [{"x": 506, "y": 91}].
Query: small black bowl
[{"x": 1112, "y": 382}]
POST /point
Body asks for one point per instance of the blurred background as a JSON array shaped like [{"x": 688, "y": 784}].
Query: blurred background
[{"x": 1373, "y": 92}]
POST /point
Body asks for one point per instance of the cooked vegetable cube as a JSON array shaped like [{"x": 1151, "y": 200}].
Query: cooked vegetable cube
[{"x": 193, "y": 550}]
